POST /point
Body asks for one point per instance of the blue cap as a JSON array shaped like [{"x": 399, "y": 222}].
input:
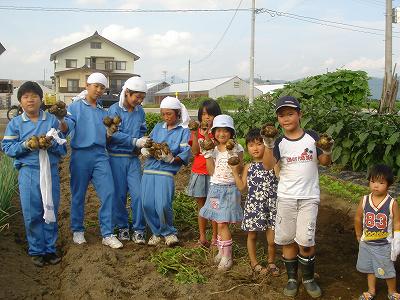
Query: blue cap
[{"x": 289, "y": 101}]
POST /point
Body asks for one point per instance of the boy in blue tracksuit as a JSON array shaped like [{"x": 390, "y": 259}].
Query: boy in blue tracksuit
[
  {"x": 123, "y": 149},
  {"x": 89, "y": 159},
  {"x": 158, "y": 185},
  {"x": 18, "y": 143}
]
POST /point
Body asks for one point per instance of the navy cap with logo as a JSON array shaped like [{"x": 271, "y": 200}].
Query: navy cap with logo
[{"x": 287, "y": 101}]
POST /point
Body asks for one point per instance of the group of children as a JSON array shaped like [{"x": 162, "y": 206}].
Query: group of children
[{"x": 285, "y": 209}]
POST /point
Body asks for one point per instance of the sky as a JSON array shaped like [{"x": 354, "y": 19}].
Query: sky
[{"x": 285, "y": 48}]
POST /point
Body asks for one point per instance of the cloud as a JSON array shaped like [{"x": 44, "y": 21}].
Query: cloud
[
  {"x": 366, "y": 64},
  {"x": 35, "y": 57},
  {"x": 329, "y": 62},
  {"x": 74, "y": 37},
  {"x": 131, "y": 4},
  {"x": 116, "y": 32},
  {"x": 171, "y": 43}
]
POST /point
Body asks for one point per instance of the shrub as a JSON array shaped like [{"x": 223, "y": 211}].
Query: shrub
[
  {"x": 8, "y": 188},
  {"x": 151, "y": 120}
]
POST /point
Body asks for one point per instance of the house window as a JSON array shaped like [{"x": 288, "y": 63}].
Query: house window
[
  {"x": 72, "y": 85},
  {"x": 109, "y": 65},
  {"x": 116, "y": 84},
  {"x": 95, "y": 45},
  {"x": 236, "y": 84},
  {"x": 87, "y": 62},
  {"x": 71, "y": 63},
  {"x": 120, "y": 65}
]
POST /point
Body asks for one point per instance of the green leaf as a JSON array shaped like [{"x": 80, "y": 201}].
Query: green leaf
[
  {"x": 371, "y": 146},
  {"x": 393, "y": 139},
  {"x": 387, "y": 150},
  {"x": 336, "y": 153},
  {"x": 347, "y": 143}
]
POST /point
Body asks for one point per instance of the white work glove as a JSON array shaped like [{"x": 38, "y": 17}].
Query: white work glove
[
  {"x": 168, "y": 158},
  {"x": 269, "y": 134},
  {"x": 139, "y": 143},
  {"x": 207, "y": 153},
  {"x": 395, "y": 246},
  {"x": 145, "y": 152},
  {"x": 325, "y": 143},
  {"x": 269, "y": 142},
  {"x": 25, "y": 145}
]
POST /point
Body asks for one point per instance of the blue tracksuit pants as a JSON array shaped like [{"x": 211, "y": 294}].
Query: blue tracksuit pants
[
  {"x": 91, "y": 164},
  {"x": 127, "y": 174},
  {"x": 157, "y": 195},
  {"x": 41, "y": 237}
]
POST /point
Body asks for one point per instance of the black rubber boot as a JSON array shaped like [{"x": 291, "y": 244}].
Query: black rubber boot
[
  {"x": 307, "y": 271},
  {"x": 291, "y": 266}
]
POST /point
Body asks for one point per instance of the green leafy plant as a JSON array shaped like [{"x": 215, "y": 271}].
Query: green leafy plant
[
  {"x": 8, "y": 188},
  {"x": 181, "y": 262},
  {"x": 342, "y": 189},
  {"x": 185, "y": 212},
  {"x": 151, "y": 120}
]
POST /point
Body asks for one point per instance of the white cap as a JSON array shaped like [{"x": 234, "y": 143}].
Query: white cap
[
  {"x": 173, "y": 103},
  {"x": 136, "y": 84},
  {"x": 98, "y": 78},
  {"x": 223, "y": 121}
]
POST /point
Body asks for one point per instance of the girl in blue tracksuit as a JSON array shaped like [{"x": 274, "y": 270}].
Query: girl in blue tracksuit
[
  {"x": 41, "y": 234},
  {"x": 158, "y": 176},
  {"x": 125, "y": 165},
  {"x": 90, "y": 160}
]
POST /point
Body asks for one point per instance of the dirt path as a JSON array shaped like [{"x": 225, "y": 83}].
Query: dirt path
[{"x": 93, "y": 271}]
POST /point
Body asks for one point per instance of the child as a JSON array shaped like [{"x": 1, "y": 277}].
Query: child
[
  {"x": 298, "y": 192},
  {"x": 199, "y": 178},
  {"x": 89, "y": 160},
  {"x": 223, "y": 199},
  {"x": 158, "y": 187},
  {"x": 125, "y": 164},
  {"x": 260, "y": 207},
  {"x": 40, "y": 221},
  {"x": 376, "y": 219}
]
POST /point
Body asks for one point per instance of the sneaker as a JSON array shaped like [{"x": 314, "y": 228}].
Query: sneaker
[
  {"x": 112, "y": 242},
  {"x": 52, "y": 258},
  {"x": 123, "y": 234},
  {"x": 79, "y": 237},
  {"x": 171, "y": 240},
  {"x": 225, "y": 264},
  {"x": 154, "y": 240},
  {"x": 38, "y": 260},
  {"x": 138, "y": 238}
]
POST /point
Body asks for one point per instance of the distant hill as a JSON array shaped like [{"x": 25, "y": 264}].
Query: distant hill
[{"x": 375, "y": 86}]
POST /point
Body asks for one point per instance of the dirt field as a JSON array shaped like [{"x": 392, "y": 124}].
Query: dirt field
[{"x": 93, "y": 271}]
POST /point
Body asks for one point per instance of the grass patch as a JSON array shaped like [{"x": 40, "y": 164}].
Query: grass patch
[
  {"x": 8, "y": 188},
  {"x": 342, "y": 189},
  {"x": 185, "y": 212},
  {"x": 181, "y": 262}
]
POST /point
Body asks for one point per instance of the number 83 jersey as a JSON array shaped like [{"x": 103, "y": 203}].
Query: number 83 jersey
[{"x": 377, "y": 220}]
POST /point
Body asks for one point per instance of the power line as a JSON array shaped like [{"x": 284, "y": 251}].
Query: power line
[
  {"x": 113, "y": 10},
  {"x": 328, "y": 23},
  {"x": 222, "y": 37}
]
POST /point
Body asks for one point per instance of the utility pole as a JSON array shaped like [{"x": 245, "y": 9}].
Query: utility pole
[
  {"x": 165, "y": 75},
  {"x": 384, "y": 105},
  {"x": 253, "y": 22},
  {"x": 388, "y": 44},
  {"x": 188, "y": 90}
]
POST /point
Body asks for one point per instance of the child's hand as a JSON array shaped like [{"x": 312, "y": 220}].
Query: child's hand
[
  {"x": 141, "y": 142},
  {"x": 167, "y": 157},
  {"x": 235, "y": 168},
  {"x": 145, "y": 152},
  {"x": 269, "y": 134},
  {"x": 395, "y": 251},
  {"x": 32, "y": 143},
  {"x": 325, "y": 143}
]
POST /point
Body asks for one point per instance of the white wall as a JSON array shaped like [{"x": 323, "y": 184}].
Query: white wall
[{"x": 241, "y": 88}]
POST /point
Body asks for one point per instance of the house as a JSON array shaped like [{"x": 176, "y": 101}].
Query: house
[
  {"x": 269, "y": 88},
  {"x": 74, "y": 63},
  {"x": 213, "y": 88},
  {"x": 152, "y": 88}
]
